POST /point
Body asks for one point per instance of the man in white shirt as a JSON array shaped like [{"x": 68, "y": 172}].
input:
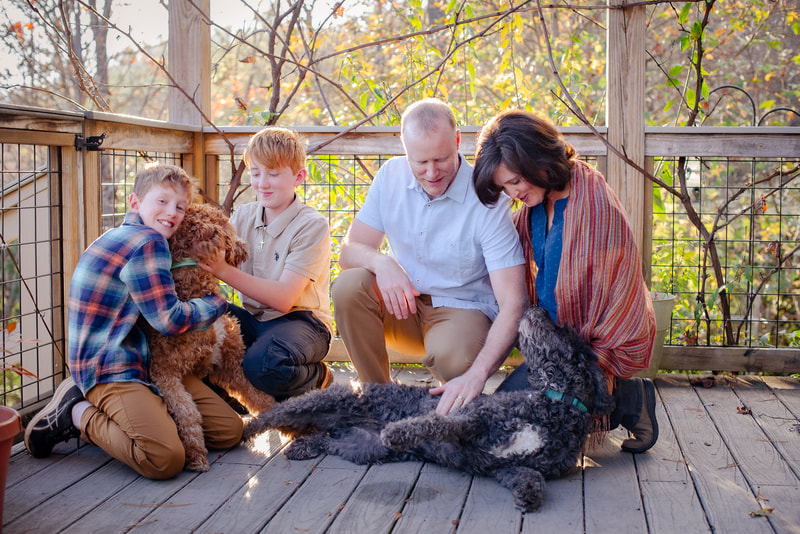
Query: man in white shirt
[{"x": 452, "y": 288}]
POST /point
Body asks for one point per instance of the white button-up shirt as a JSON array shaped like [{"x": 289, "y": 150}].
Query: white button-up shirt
[{"x": 447, "y": 245}]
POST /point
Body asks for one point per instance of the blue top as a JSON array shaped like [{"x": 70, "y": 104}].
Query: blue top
[{"x": 547, "y": 246}]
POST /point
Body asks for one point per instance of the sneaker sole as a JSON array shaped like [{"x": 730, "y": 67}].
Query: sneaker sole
[{"x": 56, "y": 400}]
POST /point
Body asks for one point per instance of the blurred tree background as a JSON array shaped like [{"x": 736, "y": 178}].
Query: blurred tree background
[{"x": 317, "y": 62}]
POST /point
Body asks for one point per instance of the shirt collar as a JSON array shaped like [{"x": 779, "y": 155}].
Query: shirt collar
[
  {"x": 133, "y": 219},
  {"x": 458, "y": 188},
  {"x": 280, "y": 223}
]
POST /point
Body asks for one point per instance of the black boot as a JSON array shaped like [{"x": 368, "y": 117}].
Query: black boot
[{"x": 635, "y": 410}]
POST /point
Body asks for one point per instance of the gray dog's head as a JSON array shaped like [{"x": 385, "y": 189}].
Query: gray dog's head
[{"x": 558, "y": 359}]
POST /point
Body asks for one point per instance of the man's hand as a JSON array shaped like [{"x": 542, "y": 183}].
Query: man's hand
[
  {"x": 458, "y": 392},
  {"x": 396, "y": 289}
]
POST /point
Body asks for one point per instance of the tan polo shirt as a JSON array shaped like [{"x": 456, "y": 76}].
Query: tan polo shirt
[{"x": 298, "y": 239}]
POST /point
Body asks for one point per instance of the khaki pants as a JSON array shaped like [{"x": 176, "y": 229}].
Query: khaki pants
[
  {"x": 447, "y": 339},
  {"x": 131, "y": 423}
]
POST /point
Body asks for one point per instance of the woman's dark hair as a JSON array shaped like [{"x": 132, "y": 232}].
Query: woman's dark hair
[{"x": 526, "y": 144}]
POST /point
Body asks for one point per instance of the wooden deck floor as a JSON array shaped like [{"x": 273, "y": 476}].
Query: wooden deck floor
[{"x": 713, "y": 470}]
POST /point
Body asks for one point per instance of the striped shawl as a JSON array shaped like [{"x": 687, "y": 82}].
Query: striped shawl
[{"x": 600, "y": 290}]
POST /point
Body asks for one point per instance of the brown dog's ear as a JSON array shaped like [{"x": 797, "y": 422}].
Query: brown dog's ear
[
  {"x": 240, "y": 252},
  {"x": 205, "y": 235},
  {"x": 181, "y": 241}
]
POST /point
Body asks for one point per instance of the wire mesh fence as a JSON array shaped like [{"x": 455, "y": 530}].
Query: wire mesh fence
[
  {"x": 31, "y": 304},
  {"x": 750, "y": 212}
]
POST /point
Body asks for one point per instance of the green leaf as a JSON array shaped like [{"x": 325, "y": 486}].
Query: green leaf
[
  {"x": 697, "y": 31},
  {"x": 691, "y": 98},
  {"x": 684, "y": 14},
  {"x": 675, "y": 71}
]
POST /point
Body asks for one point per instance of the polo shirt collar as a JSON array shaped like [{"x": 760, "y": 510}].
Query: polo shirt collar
[
  {"x": 458, "y": 188},
  {"x": 277, "y": 226}
]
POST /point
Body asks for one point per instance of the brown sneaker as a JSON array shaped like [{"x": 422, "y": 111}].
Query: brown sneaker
[{"x": 645, "y": 431}]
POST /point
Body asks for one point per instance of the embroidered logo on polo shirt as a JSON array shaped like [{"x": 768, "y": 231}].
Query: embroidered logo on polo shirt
[{"x": 276, "y": 256}]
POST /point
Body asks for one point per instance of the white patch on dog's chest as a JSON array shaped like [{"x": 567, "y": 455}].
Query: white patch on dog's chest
[
  {"x": 523, "y": 442},
  {"x": 216, "y": 351}
]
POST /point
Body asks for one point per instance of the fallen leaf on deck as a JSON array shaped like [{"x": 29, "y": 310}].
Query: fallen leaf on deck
[
  {"x": 397, "y": 515},
  {"x": 764, "y": 512},
  {"x": 744, "y": 410}
]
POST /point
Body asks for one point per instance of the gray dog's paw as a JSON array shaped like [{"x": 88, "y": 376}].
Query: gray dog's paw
[
  {"x": 528, "y": 490},
  {"x": 395, "y": 436},
  {"x": 306, "y": 447}
]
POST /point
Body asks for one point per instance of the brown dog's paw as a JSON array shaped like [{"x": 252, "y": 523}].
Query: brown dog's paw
[{"x": 198, "y": 464}]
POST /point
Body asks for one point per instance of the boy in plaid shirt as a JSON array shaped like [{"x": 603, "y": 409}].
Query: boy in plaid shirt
[{"x": 121, "y": 280}]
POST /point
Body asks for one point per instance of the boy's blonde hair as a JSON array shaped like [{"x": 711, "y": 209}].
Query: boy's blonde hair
[
  {"x": 275, "y": 147},
  {"x": 159, "y": 174}
]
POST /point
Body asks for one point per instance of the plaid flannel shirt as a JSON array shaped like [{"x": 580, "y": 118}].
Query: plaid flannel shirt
[{"x": 124, "y": 278}]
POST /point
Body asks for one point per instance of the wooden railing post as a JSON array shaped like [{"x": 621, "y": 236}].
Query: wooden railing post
[
  {"x": 189, "y": 64},
  {"x": 625, "y": 66},
  {"x": 90, "y": 187}
]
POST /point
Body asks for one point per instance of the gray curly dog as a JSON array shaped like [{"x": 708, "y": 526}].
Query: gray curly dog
[{"x": 519, "y": 438}]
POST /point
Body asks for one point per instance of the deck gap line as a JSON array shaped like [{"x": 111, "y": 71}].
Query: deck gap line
[
  {"x": 736, "y": 464},
  {"x": 688, "y": 464}
]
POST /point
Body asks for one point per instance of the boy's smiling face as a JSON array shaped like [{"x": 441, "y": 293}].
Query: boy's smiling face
[
  {"x": 162, "y": 208},
  {"x": 274, "y": 188}
]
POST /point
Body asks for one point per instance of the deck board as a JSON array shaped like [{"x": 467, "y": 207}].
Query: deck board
[{"x": 711, "y": 468}]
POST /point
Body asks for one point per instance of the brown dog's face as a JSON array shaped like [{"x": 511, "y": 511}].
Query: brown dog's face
[{"x": 204, "y": 232}]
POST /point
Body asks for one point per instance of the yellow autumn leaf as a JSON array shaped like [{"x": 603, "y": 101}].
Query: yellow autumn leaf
[{"x": 764, "y": 512}]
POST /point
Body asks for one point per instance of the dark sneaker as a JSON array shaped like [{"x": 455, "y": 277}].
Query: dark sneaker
[{"x": 53, "y": 424}]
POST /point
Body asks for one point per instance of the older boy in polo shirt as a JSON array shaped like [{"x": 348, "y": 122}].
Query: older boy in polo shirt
[{"x": 286, "y": 319}]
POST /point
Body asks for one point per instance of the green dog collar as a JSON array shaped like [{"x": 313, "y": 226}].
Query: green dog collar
[
  {"x": 186, "y": 262},
  {"x": 569, "y": 399}
]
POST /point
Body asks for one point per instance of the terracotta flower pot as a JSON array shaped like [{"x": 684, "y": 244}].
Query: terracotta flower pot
[{"x": 10, "y": 426}]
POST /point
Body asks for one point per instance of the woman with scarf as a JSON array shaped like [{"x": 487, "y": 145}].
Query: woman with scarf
[{"x": 583, "y": 265}]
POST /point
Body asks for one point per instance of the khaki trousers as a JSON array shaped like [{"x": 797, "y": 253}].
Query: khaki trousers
[
  {"x": 446, "y": 339},
  {"x": 131, "y": 423}
]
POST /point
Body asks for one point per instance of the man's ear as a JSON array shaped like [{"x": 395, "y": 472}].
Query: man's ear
[
  {"x": 300, "y": 177},
  {"x": 133, "y": 200}
]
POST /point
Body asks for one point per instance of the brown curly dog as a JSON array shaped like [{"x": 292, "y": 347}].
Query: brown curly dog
[{"x": 216, "y": 352}]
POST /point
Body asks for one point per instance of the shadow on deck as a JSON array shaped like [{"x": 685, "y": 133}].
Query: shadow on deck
[{"x": 727, "y": 460}]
